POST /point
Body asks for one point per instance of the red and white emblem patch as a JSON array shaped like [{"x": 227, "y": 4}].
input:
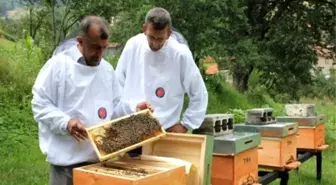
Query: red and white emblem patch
[
  {"x": 102, "y": 113},
  {"x": 160, "y": 92}
]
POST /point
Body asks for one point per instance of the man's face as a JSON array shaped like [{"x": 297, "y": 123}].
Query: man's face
[
  {"x": 156, "y": 38},
  {"x": 92, "y": 46}
]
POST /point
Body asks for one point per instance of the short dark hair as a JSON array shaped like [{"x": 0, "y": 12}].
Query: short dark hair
[
  {"x": 159, "y": 18},
  {"x": 88, "y": 21}
]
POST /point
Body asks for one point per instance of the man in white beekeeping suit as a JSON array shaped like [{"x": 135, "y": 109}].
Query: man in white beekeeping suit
[
  {"x": 154, "y": 67},
  {"x": 76, "y": 89}
]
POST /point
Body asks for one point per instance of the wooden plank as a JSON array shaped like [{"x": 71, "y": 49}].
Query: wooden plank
[
  {"x": 83, "y": 177},
  {"x": 305, "y": 137},
  {"x": 96, "y": 174},
  {"x": 277, "y": 152},
  {"x": 246, "y": 167},
  {"x": 172, "y": 177},
  {"x": 188, "y": 147},
  {"x": 269, "y": 152},
  {"x": 292, "y": 165},
  {"x": 288, "y": 150},
  {"x": 222, "y": 170},
  {"x": 319, "y": 135},
  {"x": 95, "y": 132},
  {"x": 175, "y": 177},
  {"x": 235, "y": 170},
  {"x": 311, "y": 137},
  {"x": 208, "y": 146},
  {"x": 289, "y": 166},
  {"x": 323, "y": 147}
]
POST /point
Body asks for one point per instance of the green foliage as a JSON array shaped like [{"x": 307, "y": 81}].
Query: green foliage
[
  {"x": 5, "y": 35},
  {"x": 287, "y": 31},
  {"x": 292, "y": 59},
  {"x": 24, "y": 162},
  {"x": 239, "y": 115},
  {"x": 128, "y": 22},
  {"x": 18, "y": 68},
  {"x": 267, "y": 45},
  {"x": 256, "y": 89},
  {"x": 113, "y": 60},
  {"x": 223, "y": 97},
  {"x": 322, "y": 87}
]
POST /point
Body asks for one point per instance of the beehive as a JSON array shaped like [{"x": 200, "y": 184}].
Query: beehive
[
  {"x": 311, "y": 134},
  {"x": 216, "y": 125},
  {"x": 278, "y": 143},
  {"x": 129, "y": 171},
  {"x": 235, "y": 159}
]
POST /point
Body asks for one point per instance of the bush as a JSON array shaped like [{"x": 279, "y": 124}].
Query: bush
[
  {"x": 322, "y": 86},
  {"x": 113, "y": 60},
  {"x": 19, "y": 66},
  {"x": 255, "y": 89}
]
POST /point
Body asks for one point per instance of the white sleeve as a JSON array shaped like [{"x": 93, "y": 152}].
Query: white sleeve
[
  {"x": 120, "y": 107},
  {"x": 195, "y": 88},
  {"x": 44, "y": 102}
]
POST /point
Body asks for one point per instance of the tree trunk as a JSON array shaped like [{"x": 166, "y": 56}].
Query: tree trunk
[
  {"x": 31, "y": 22},
  {"x": 240, "y": 78},
  {"x": 53, "y": 22}
]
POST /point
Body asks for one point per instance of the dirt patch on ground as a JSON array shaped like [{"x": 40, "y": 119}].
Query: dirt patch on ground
[{"x": 128, "y": 132}]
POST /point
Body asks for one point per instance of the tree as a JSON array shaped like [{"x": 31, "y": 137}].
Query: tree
[
  {"x": 289, "y": 30},
  {"x": 51, "y": 21},
  {"x": 35, "y": 16},
  {"x": 276, "y": 37},
  {"x": 220, "y": 29}
]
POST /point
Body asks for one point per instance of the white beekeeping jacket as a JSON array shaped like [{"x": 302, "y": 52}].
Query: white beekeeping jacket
[
  {"x": 162, "y": 78},
  {"x": 66, "y": 89}
]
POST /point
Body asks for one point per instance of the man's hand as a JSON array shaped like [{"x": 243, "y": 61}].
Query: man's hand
[
  {"x": 143, "y": 106},
  {"x": 178, "y": 128},
  {"x": 76, "y": 129}
]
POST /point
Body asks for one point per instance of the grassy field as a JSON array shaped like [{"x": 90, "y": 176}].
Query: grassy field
[{"x": 22, "y": 162}]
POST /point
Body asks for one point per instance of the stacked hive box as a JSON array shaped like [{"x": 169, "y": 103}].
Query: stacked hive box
[
  {"x": 235, "y": 155},
  {"x": 235, "y": 159},
  {"x": 277, "y": 148},
  {"x": 311, "y": 134}
]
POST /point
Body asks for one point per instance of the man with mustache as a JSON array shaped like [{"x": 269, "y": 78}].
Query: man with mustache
[{"x": 75, "y": 89}]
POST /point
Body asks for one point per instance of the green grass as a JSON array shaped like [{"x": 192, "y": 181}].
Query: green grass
[
  {"x": 7, "y": 36},
  {"x": 22, "y": 162}
]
